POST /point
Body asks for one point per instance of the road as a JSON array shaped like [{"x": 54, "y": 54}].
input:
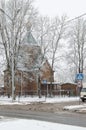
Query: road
[{"x": 64, "y": 117}]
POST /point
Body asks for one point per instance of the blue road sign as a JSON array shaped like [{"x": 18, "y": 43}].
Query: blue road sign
[
  {"x": 44, "y": 81},
  {"x": 79, "y": 76}
]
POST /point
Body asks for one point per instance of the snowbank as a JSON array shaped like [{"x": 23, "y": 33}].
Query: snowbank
[{"x": 22, "y": 124}]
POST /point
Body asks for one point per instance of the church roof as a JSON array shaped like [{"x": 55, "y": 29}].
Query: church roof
[{"x": 29, "y": 39}]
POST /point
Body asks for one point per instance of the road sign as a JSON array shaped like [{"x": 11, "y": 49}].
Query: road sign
[
  {"x": 44, "y": 81},
  {"x": 79, "y": 83},
  {"x": 79, "y": 76}
]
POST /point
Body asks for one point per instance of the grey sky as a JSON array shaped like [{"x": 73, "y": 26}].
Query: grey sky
[{"x": 52, "y": 8}]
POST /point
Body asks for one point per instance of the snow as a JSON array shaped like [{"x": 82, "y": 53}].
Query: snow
[
  {"x": 61, "y": 99},
  {"x": 78, "y": 108},
  {"x": 28, "y": 100},
  {"x": 23, "y": 124},
  {"x": 35, "y": 99},
  {"x": 75, "y": 107}
]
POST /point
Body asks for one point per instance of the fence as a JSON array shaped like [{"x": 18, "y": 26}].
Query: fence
[{"x": 49, "y": 93}]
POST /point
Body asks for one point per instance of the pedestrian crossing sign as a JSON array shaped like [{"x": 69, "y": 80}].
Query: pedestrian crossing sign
[{"x": 79, "y": 76}]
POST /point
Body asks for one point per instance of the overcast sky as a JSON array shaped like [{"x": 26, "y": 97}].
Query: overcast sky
[{"x": 52, "y": 8}]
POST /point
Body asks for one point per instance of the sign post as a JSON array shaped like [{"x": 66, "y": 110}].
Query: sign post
[{"x": 79, "y": 78}]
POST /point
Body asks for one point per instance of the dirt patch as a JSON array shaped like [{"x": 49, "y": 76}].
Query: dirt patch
[{"x": 44, "y": 107}]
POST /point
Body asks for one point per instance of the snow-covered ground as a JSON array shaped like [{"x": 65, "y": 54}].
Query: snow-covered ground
[
  {"x": 22, "y": 124},
  {"x": 12, "y": 124},
  {"x": 28, "y": 100},
  {"x": 75, "y": 107}
]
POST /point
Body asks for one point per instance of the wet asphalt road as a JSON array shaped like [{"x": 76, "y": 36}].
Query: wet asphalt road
[{"x": 70, "y": 118}]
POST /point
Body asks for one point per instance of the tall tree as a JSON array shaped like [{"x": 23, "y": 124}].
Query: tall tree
[
  {"x": 49, "y": 34},
  {"x": 77, "y": 54},
  {"x": 41, "y": 32},
  {"x": 15, "y": 16},
  {"x": 55, "y": 39}
]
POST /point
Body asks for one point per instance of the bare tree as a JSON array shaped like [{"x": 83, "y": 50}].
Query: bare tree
[
  {"x": 56, "y": 37},
  {"x": 15, "y": 16},
  {"x": 41, "y": 32},
  {"x": 49, "y": 33},
  {"x": 76, "y": 56}
]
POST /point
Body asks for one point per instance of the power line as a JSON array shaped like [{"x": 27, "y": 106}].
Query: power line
[
  {"x": 69, "y": 21},
  {"x": 76, "y": 18}
]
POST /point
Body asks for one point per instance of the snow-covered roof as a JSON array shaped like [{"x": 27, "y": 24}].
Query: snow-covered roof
[{"x": 29, "y": 39}]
